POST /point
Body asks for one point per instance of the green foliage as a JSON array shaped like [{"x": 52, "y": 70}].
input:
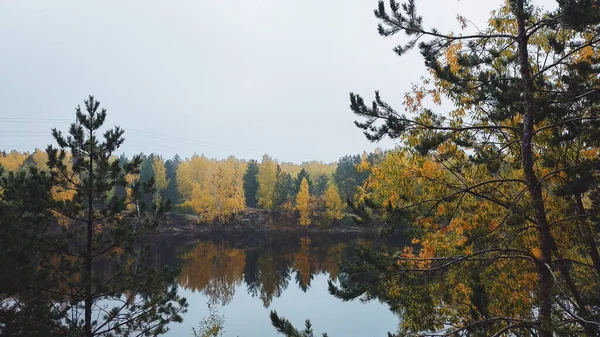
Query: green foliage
[
  {"x": 26, "y": 306},
  {"x": 284, "y": 327},
  {"x": 284, "y": 189},
  {"x": 98, "y": 231},
  {"x": 213, "y": 325},
  {"x": 320, "y": 185},
  {"x": 251, "y": 184},
  {"x": 303, "y": 174},
  {"x": 518, "y": 153},
  {"x": 146, "y": 174},
  {"x": 347, "y": 177},
  {"x": 172, "y": 193}
]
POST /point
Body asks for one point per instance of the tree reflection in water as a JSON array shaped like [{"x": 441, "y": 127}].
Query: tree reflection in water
[{"x": 265, "y": 263}]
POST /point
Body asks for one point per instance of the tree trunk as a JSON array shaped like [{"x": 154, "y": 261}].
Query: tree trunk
[
  {"x": 90, "y": 227},
  {"x": 545, "y": 279},
  {"x": 587, "y": 233}
]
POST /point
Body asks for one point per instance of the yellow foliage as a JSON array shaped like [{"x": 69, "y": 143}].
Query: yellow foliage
[
  {"x": 214, "y": 270},
  {"x": 267, "y": 177},
  {"x": 13, "y": 160},
  {"x": 333, "y": 203},
  {"x": 160, "y": 174},
  {"x": 303, "y": 203},
  {"x": 216, "y": 187},
  {"x": 303, "y": 263},
  {"x": 160, "y": 178},
  {"x": 40, "y": 157}
]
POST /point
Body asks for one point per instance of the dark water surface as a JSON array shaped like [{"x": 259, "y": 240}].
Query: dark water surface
[{"x": 247, "y": 275}]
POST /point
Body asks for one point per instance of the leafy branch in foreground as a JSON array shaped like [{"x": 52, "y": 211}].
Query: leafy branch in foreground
[
  {"x": 284, "y": 327},
  {"x": 101, "y": 227},
  {"x": 501, "y": 193}
]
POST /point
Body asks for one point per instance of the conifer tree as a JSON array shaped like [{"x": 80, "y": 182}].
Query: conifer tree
[
  {"x": 251, "y": 183},
  {"x": 143, "y": 299},
  {"x": 303, "y": 174},
  {"x": 500, "y": 193},
  {"x": 347, "y": 177},
  {"x": 160, "y": 180},
  {"x": 27, "y": 304},
  {"x": 513, "y": 151},
  {"x": 320, "y": 185},
  {"x": 284, "y": 186},
  {"x": 171, "y": 168}
]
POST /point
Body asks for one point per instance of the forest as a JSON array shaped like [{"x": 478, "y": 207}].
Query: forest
[
  {"x": 494, "y": 184},
  {"x": 217, "y": 190}
]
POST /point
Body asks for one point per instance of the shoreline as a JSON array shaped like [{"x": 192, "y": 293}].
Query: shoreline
[{"x": 185, "y": 224}]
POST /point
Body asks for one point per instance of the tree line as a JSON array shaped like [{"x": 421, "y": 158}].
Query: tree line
[
  {"x": 75, "y": 219},
  {"x": 217, "y": 190},
  {"x": 499, "y": 193}
]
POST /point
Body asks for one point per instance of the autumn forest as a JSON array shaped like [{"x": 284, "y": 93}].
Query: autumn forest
[
  {"x": 216, "y": 190},
  {"x": 483, "y": 219}
]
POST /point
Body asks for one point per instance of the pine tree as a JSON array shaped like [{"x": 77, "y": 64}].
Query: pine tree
[
  {"x": 27, "y": 307},
  {"x": 517, "y": 151},
  {"x": 284, "y": 187},
  {"x": 146, "y": 174},
  {"x": 171, "y": 168},
  {"x": 100, "y": 231},
  {"x": 502, "y": 192},
  {"x": 160, "y": 180},
  {"x": 303, "y": 174},
  {"x": 251, "y": 184},
  {"x": 303, "y": 205},
  {"x": 347, "y": 177},
  {"x": 320, "y": 185}
]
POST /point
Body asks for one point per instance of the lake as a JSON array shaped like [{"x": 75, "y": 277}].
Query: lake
[{"x": 247, "y": 275}]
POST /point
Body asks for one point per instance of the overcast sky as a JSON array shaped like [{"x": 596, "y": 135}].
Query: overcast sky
[{"x": 241, "y": 77}]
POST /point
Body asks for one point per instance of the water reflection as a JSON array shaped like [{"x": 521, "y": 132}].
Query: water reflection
[
  {"x": 265, "y": 263},
  {"x": 214, "y": 270}
]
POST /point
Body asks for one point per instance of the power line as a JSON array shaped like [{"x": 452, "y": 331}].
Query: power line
[
  {"x": 145, "y": 134},
  {"x": 190, "y": 141},
  {"x": 36, "y": 119},
  {"x": 202, "y": 143}
]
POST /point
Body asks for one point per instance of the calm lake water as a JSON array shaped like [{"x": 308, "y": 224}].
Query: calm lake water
[{"x": 247, "y": 275}]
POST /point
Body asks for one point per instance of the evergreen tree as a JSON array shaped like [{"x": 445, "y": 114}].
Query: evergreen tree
[
  {"x": 320, "y": 185},
  {"x": 303, "y": 174},
  {"x": 347, "y": 177},
  {"x": 99, "y": 231},
  {"x": 27, "y": 163},
  {"x": 160, "y": 181},
  {"x": 251, "y": 183},
  {"x": 27, "y": 304},
  {"x": 284, "y": 187},
  {"x": 121, "y": 191},
  {"x": 502, "y": 192},
  {"x": 519, "y": 146},
  {"x": 171, "y": 166},
  {"x": 146, "y": 168}
]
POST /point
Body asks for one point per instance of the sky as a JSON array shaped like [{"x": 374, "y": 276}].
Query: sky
[{"x": 235, "y": 77}]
